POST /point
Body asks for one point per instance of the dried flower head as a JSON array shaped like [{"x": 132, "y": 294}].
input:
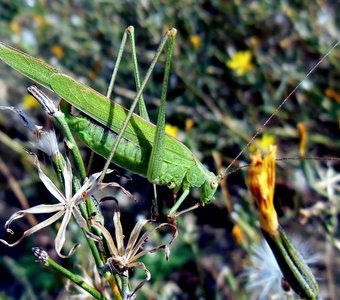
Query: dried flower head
[
  {"x": 48, "y": 143},
  {"x": 125, "y": 258},
  {"x": 27, "y": 121},
  {"x": 67, "y": 207},
  {"x": 261, "y": 182},
  {"x": 328, "y": 182},
  {"x": 263, "y": 274}
]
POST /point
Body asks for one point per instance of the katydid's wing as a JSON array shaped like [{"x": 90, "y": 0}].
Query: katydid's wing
[
  {"x": 92, "y": 103},
  {"x": 31, "y": 67},
  {"x": 112, "y": 116}
]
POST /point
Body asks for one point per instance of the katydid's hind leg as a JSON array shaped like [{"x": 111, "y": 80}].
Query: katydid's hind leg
[
  {"x": 142, "y": 109},
  {"x": 141, "y": 103},
  {"x": 154, "y": 204},
  {"x": 117, "y": 64},
  {"x": 110, "y": 88},
  {"x": 156, "y": 157},
  {"x": 133, "y": 105}
]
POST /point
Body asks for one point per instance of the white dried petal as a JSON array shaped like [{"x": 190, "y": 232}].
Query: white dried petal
[{"x": 48, "y": 143}]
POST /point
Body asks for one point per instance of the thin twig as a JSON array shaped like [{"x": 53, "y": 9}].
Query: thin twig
[{"x": 15, "y": 187}]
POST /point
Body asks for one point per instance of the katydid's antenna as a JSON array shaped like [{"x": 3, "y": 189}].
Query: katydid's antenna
[
  {"x": 327, "y": 158},
  {"x": 225, "y": 172}
]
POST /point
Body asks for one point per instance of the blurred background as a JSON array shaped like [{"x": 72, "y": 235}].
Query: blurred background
[{"x": 234, "y": 62}]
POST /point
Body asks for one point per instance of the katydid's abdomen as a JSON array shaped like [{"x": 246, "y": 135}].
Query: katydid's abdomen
[{"x": 128, "y": 155}]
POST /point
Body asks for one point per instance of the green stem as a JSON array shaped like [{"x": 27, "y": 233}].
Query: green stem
[
  {"x": 292, "y": 265},
  {"x": 44, "y": 258},
  {"x": 58, "y": 162},
  {"x": 95, "y": 252},
  {"x": 114, "y": 282},
  {"x": 60, "y": 118},
  {"x": 49, "y": 107},
  {"x": 125, "y": 285}
]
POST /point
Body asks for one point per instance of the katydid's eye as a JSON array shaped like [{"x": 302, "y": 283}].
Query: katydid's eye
[{"x": 214, "y": 184}]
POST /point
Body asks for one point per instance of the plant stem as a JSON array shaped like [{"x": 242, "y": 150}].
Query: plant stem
[{"x": 44, "y": 258}]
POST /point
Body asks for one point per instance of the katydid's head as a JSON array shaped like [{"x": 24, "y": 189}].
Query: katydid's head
[{"x": 209, "y": 187}]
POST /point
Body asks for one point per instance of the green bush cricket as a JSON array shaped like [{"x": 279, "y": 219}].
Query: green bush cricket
[
  {"x": 145, "y": 149},
  {"x": 130, "y": 140}
]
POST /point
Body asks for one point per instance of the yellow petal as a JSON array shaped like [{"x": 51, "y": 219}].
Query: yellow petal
[
  {"x": 238, "y": 235},
  {"x": 189, "y": 124},
  {"x": 171, "y": 130},
  {"x": 241, "y": 62},
  {"x": 261, "y": 182},
  {"x": 15, "y": 27},
  {"x": 333, "y": 94},
  {"x": 29, "y": 102},
  {"x": 195, "y": 41},
  {"x": 57, "y": 51},
  {"x": 263, "y": 143},
  {"x": 303, "y": 138}
]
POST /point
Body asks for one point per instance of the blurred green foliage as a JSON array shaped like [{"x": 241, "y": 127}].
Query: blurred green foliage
[{"x": 285, "y": 39}]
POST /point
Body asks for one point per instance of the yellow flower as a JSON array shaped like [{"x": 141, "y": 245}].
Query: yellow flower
[
  {"x": 303, "y": 138},
  {"x": 333, "y": 94},
  {"x": 189, "y": 124},
  {"x": 263, "y": 143},
  {"x": 238, "y": 235},
  {"x": 38, "y": 20},
  {"x": 57, "y": 51},
  {"x": 171, "y": 130},
  {"x": 15, "y": 27},
  {"x": 255, "y": 41},
  {"x": 261, "y": 182},
  {"x": 195, "y": 41},
  {"x": 29, "y": 102},
  {"x": 241, "y": 62}
]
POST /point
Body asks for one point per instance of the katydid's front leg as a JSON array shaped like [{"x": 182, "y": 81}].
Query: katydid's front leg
[{"x": 156, "y": 158}]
